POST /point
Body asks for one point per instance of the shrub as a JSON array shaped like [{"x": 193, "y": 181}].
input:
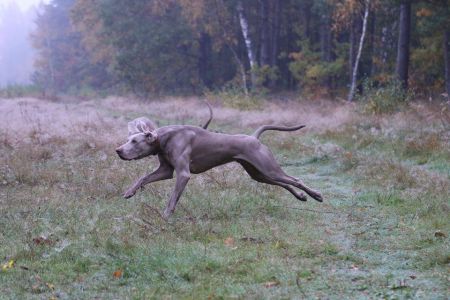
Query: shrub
[
  {"x": 386, "y": 98},
  {"x": 17, "y": 91},
  {"x": 233, "y": 95},
  {"x": 312, "y": 73}
]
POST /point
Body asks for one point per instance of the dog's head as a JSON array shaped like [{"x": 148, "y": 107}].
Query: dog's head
[{"x": 142, "y": 140}]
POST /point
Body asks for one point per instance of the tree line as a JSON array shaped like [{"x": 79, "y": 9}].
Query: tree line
[
  {"x": 16, "y": 54},
  {"x": 318, "y": 47}
]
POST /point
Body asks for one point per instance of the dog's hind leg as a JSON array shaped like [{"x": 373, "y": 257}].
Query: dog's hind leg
[
  {"x": 264, "y": 161},
  {"x": 258, "y": 176},
  {"x": 299, "y": 184}
]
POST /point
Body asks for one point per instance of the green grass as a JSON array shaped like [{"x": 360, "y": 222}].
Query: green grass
[{"x": 386, "y": 196}]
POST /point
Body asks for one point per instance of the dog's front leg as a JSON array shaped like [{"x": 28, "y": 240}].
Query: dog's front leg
[
  {"x": 164, "y": 171},
  {"x": 182, "y": 179},
  {"x": 183, "y": 176}
]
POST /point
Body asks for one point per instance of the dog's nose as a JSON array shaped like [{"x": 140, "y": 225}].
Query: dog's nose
[{"x": 119, "y": 151}]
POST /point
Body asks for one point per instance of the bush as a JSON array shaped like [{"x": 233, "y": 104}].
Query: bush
[
  {"x": 314, "y": 74},
  {"x": 386, "y": 98},
  {"x": 17, "y": 91},
  {"x": 234, "y": 96}
]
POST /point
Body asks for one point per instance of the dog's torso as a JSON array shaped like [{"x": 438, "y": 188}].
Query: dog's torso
[
  {"x": 205, "y": 149},
  {"x": 187, "y": 150}
]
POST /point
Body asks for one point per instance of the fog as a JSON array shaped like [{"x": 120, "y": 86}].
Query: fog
[{"x": 16, "y": 52}]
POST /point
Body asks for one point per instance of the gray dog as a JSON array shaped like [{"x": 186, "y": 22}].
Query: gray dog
[{"x": 192, "y": 150}]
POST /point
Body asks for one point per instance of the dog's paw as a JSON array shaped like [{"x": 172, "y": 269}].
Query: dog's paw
[
  {"x": 317, "y": 196},
  {"x": 166, "y": 214},
  {"x": 130, "y": 193},
  {"x": 302, "y": 197}
]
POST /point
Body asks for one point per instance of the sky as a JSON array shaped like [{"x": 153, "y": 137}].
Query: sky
[{"x": 23, "y": 4}]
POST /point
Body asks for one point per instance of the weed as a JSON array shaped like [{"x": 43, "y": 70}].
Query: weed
[
  {"x": 234, "y": 97},
  {"x": 18, "y": 91},
  {"x": 423, "y": 146},
  {"x": 384, "y": 99},
  {"x": 349, "y": 161},
  {"x": 64, "y": 223}
]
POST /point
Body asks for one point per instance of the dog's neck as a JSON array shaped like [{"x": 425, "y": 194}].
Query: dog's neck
[{"x": 156, "y": 146}]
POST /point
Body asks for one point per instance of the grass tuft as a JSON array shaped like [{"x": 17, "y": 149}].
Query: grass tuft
[{"x": 71, "y": 235}]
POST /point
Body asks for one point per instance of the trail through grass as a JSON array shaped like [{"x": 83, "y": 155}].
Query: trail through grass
[{"x": 382, "y": 231}]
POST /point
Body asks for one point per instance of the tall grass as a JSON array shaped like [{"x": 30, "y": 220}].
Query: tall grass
[{"x": 382, "y": 231}]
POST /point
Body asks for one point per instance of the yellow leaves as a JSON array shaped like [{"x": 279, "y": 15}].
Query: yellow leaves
[
  {"x": 281, "y": 245},
  {"x": 40, "y": 286},
  {"x": 296, "y": 55},
  {"x": 8, "y": 265},
  {"x": 50, "y": 286},
  {"x": 424, "y": 12},
  {"x": 271, "y": 284},
  {"x": 229, "y": 241},
  {"x": 193, "y": 10},
  {"x": 315, "y": 71},
  {"x": 118, "y": 274},
  {"x": 342, "y": 14}
]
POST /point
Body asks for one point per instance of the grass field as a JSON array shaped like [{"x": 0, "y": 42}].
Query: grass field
[{"x": 382, "y": 231}]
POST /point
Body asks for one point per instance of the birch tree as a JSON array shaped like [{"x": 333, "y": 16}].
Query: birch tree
[
  {"x": 447, "y": 61},
  {"x": 358, "y": 56},
  {"x": 446, "y": 49},
  {"x": 248, "y": 42}
]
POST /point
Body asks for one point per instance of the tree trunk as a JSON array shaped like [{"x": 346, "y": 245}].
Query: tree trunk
[
  {"x": 384, "y": 46},
  {"x": 265, "y": 42},
  {"x": 402, "y": 63},
  {"x": 355, "y": 31},
  {"x": 240, "y": 64},
  {"x": 447, "y": 61},
  {"x": 326, "y": 44},
  {"x": 204, "y": 60},
  {"x": 370, "y": 45},
  {"x": 248, "y": 42},
  {"x": 358, "y": 57},
  {"x": 275, "y": 32},
  {"x": 307, "y": 15}
]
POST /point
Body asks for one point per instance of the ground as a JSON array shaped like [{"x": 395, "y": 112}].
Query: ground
[{"x": 381, "y": 232}]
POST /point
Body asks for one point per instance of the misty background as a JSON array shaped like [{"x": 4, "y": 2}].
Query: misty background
[
  {"x": 319, "y": 49},
  {"x": 16, "y": 52}
]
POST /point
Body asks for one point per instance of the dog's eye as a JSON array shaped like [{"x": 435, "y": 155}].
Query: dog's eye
[{"x": 133, "y": 141}]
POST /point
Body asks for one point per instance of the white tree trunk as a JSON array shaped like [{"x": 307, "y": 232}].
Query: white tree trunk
[
  {"x": 358, "y": 56},
  {"x": 218, "y": 6},
  {"x": 241, "y": 69},
  {"x": 248, "y": 42}
]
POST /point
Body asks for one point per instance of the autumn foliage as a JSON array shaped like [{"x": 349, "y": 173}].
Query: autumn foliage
[{"x": 180, "y": 46}]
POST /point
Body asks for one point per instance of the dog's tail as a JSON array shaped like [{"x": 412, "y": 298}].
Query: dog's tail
[
  {"x": 263, "y": 128},
  {"x": 210, "y": 115}
]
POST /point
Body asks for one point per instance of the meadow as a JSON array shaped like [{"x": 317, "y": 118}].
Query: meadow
[{"x": 382, "y": 231}]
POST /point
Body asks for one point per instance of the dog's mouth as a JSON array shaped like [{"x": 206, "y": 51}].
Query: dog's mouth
[
  {"x": 120, "y": 154},
  {"x": 128, "y": 159}
]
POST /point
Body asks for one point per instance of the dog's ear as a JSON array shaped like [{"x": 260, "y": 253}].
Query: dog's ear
[
  {"x": 151, "y": 136},
  {"x": 132, "y": 128},
  {"x": 140, "y": 125}
]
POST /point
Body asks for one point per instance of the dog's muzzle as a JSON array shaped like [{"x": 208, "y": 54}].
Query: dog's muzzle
[{"x": 120, "y": 153}]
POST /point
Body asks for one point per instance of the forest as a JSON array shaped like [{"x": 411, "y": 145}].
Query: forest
[
  {"x": 324, "y": 48},
  {"x": 368, "y": 79}
]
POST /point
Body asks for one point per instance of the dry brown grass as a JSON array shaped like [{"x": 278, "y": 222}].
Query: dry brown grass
[{"x": 61, "y": 181}]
